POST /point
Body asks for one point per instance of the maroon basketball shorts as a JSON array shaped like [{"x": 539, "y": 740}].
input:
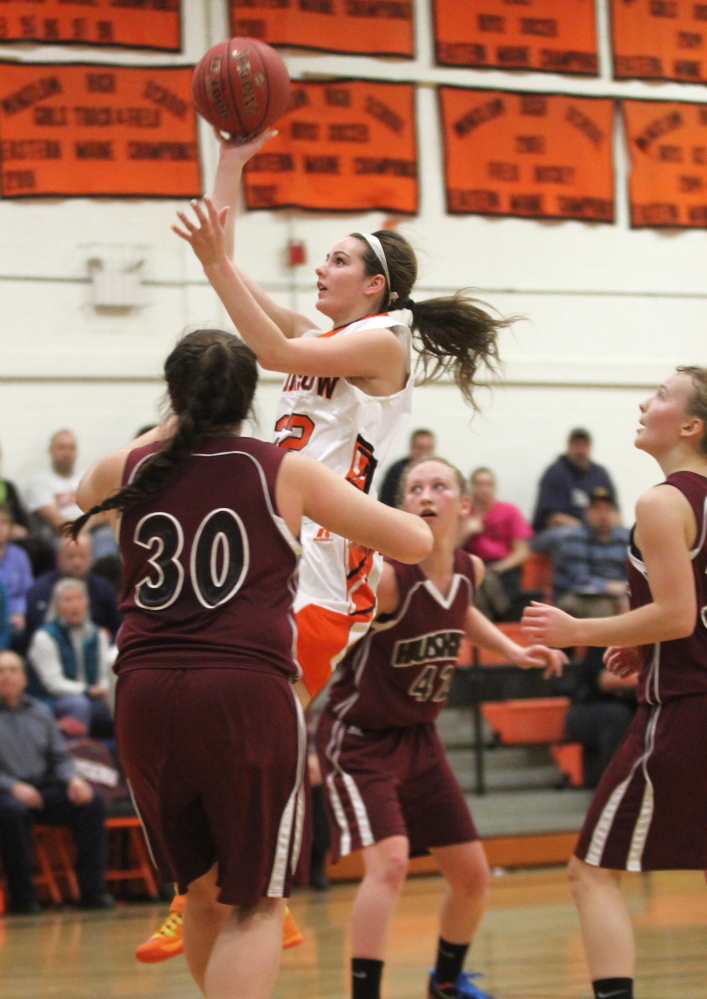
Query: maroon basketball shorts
[
  {"x": 390, "y": 782},
  {"x": 649, "y": 812},
  {"x": 215, "y": 760}
]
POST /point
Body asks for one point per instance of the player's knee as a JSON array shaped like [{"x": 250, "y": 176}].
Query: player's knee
[
  {"x": 391, "y": 872},
  {"x": 472, "y": 882},
  {"x": 581, "y": 876}
]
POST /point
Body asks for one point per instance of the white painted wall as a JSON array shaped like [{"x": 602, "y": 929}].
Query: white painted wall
[{"x": 609, "y": 311}]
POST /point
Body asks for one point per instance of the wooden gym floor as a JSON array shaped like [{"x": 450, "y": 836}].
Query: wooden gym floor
[{"x": 528, "y": 946}]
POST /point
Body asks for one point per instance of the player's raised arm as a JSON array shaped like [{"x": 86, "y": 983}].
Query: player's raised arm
[
  {"x": 308, "y": 488},
  {"x": 665, "y": 527},
  {"x": 363, "y": 355},
  {"x": 233, "y": 156}
]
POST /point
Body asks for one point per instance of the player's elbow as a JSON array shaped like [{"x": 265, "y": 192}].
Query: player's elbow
[
  {"x": 680, "y": 621},
  {"x": 416, "y": 544}
]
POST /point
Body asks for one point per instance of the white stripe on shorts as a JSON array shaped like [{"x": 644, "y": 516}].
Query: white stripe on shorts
[
  {"x": 292, "y": 816},
  {"x": 606, "y": 819},
  {"x": 340, "y": 816}
]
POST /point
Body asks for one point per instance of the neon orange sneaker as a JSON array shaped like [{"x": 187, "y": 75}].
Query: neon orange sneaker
[
  {"x": 167, "y": 941},
  {"x": 291, "y": 936}
]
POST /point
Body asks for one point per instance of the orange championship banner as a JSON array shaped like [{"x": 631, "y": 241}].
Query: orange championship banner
[
  {"x": 355, "y": 27},
  {"x": 659, "y": 40},
  {"x": 667, "y": 143},
  {"x": 531, "y": 155},
  {"x": 343, "y": 145},
  {"x": 134, "y": 24},
  {"x": 557, "y": 36},
  {"x": 83, "y": 130}
]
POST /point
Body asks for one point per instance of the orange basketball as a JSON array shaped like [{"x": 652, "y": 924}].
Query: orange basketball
[{"x": 241, "y": 86}]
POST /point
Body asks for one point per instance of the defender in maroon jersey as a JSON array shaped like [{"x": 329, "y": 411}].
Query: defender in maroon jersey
[
  {"x": 650, "y": 808},
  {"x": 390, "y": 790},
  {"x": 207, "y": 719}
]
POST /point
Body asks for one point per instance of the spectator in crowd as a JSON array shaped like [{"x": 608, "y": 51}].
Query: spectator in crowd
[
  {"x": 38, "y": 783},
  {"x": 5, "y": 630},
  {"x": 498, "y": 533},
  {"x": 15, "y": 572},
  {"x": 563, "y": 494},
  {"x": 422, "y": 445},
  {"x": 589, "y": 568},
  {"x": 74, "y": 560},
  {"x": 603, "y": 705},
  {"x": 10, "y": 496},
  {"x": 71, "y": 659},
  {"x": 51, "y": 495}
]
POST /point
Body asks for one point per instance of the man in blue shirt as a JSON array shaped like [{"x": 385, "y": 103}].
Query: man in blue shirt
[
  {"x": 563, "y": 495},
  {"x": 589, "y": 567}
]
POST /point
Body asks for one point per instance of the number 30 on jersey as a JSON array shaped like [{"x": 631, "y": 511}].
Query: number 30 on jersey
[{"x": 218, "y": 560}]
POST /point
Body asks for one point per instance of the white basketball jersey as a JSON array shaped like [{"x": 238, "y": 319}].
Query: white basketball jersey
[
  {"x": 352, "y": 433},
  {"x": 333, "y": 421}
]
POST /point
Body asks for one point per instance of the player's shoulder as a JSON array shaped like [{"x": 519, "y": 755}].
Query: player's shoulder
[{"x": 468, "y": 565}]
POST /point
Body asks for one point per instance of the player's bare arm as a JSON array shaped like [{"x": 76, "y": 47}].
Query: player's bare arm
[
  {"x": 480, "y": 631},
  {"x": 388, "y": 592},
  {"x": 234, "y": 154},
  {"x": 307, "y": 487},
  {"x": 665, "y": 531},
  {"x": 375, "y": 355}
]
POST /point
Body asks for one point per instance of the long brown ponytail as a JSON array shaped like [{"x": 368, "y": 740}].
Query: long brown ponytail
[
  {"x": 453, "y": 335},
  {"x": 211, "y": 377}
]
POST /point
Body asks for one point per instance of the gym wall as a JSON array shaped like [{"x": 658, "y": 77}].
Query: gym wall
[{"x": 609, "y": 311}]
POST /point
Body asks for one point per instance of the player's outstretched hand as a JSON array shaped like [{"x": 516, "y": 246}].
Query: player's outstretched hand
[
  {"x": 206, "y": 236},
  {"x": 622, "y": 660},
  {"x": 236, "y": 150},
  {"x": 550, "y": 661},
  {"x": 549, "y": 625}
]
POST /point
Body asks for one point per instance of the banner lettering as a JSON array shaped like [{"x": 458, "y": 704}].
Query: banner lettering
[
  {"x": 343, "y": 145},
  {"x": 517, "y": 34},
  {"x": 659, "y": 40},
  {"x": 530, "y": 155},
  {"x": 358, "y": 27},
  {"x": 135, "y": 24},
  {"x": 90, "y": 129},
  {"x": 667, "y": 141}
]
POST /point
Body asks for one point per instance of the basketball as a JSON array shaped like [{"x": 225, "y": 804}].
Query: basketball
[{"x": 241, "y": 86}]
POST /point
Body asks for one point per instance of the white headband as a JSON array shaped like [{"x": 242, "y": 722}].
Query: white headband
[{"x": 377, "y": 247}]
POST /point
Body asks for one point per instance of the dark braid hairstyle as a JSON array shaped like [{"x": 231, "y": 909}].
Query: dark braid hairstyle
[
  {"x": 211, "y": 377},
  {"x": 452, "y": 334}
]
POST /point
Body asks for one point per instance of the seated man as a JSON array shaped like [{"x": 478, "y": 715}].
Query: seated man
[
  {"x": 73, "y": 559},
  {"x": 71, "y": 659},
  {"x": 498, "y": 533},
  {"x": 563, "y": 493},
  {"x": 38, "y": 783},
  {"x": 15, "y": 572},
  {"x": 589, "y": 566},
  {"x": 51, "y": 495}
]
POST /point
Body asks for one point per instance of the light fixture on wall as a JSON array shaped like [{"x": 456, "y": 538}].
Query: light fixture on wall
[{"x": 116, "y": 274}]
